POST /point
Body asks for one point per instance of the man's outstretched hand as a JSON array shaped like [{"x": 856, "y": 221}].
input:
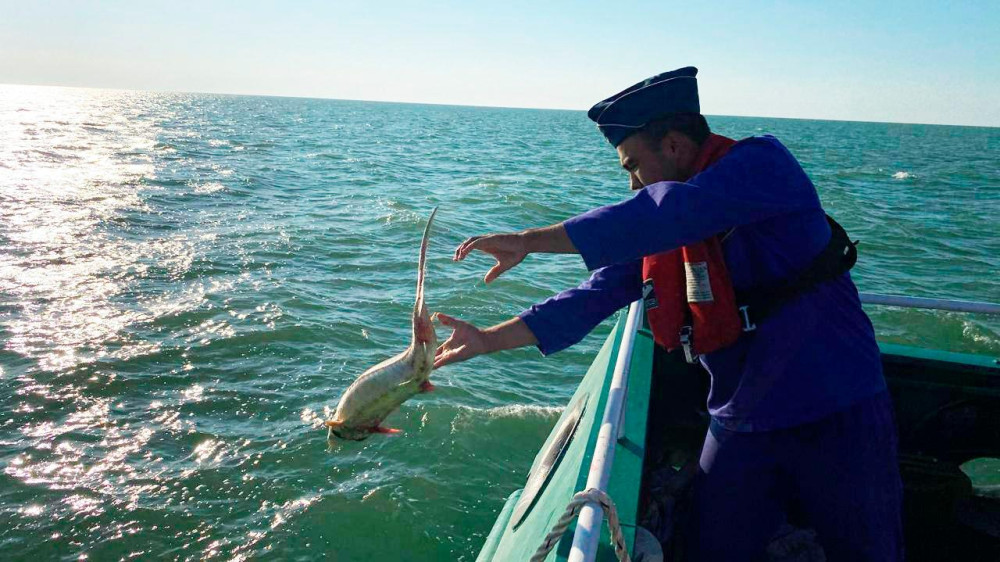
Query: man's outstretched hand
[
  {"x": 508, "y": 249},
  {"x": 466, "y": 342}
]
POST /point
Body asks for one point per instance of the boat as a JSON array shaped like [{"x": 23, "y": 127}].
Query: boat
[{"x": 600, "y": 457}]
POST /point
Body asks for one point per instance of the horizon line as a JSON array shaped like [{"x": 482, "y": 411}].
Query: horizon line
[{"x": 469, "y": 105}]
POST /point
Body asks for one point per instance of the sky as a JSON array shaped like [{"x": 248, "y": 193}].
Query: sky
[{"x": 910, "y": 62}]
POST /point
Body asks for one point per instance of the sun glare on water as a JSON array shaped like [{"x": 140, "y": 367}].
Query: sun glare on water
[
  {"x": 72, "y": 164},
  {"x": 69, "y": 163}
]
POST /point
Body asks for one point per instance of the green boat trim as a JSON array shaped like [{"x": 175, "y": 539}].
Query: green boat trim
[
  {"x": 948, "y": 413},
  {"x": 513, "y": 539}
]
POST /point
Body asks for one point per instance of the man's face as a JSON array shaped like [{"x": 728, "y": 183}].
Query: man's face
[{"x": 648, "y": 163}]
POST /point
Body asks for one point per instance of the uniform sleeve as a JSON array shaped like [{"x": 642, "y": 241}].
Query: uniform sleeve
[
  {"x": 757, "y": 179},
  {"x": 566, "y": 318}
]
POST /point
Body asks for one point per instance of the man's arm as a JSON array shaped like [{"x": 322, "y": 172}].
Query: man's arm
[
  {"x": 467, "y": 341},
  {"x": 553, "y": 325},
  {"x": 758, "y": 180},
  {"x": 548, "y": 240}
]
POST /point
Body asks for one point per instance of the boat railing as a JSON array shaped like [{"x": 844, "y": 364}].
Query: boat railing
[
  {"x": 588, "y": 525},
  {"x": 933, "y": 304}
]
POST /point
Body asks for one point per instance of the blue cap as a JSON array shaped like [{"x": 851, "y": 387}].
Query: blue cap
[{"x": 629, "y": 110}]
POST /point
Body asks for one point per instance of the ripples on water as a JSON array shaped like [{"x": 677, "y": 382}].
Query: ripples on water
[{"x": 187, "y": 282}]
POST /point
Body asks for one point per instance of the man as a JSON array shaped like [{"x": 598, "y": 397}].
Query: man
[{"x": 798, "y": 403}]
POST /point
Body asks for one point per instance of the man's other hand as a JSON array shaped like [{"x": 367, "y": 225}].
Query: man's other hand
[{"x": 508, "y": 249}]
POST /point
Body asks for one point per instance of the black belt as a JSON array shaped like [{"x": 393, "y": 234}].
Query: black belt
[{"x": 836, "y": 259}]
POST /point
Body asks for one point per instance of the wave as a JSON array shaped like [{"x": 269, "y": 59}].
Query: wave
[
  {"x": 517, "y": 411},
  {"x": 516, "y": 414},
  {"x": 210, "y": 187}
]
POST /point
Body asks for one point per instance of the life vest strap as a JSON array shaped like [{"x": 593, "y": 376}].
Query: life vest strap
[
  {"x": 837, "y": 258},
  {"x": 687, "y": 343}
]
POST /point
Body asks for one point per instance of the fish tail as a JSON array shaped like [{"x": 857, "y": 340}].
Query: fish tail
[{"x": 419, "y": 308}]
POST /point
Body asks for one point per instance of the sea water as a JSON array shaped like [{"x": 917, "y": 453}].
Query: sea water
[{"x": 188, "y": 283}]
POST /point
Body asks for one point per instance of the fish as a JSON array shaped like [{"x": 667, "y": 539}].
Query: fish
[{"x": 380, "y": 390}]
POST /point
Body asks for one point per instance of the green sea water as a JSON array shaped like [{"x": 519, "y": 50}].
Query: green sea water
[{"x": 188, "y": 283}]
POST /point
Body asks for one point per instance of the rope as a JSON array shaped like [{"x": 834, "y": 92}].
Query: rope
[{"x": 572, "y": 510}]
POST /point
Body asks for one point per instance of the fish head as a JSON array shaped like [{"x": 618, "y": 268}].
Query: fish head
[{"x": 341, "y": 431}]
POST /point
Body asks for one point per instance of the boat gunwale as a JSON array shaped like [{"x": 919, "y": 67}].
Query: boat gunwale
[{"x": 588, "y": 522}]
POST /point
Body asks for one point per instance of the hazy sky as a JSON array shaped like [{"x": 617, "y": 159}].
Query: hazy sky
[{"x": 923, "y": 62}]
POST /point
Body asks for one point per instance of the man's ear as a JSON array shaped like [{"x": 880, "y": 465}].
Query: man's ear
[
  {"x": 680, "y": 146},
  {"x": 668, "y": 144}
]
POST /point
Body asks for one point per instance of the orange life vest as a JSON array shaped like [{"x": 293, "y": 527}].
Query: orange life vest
[{"x": 689, "y": 297}]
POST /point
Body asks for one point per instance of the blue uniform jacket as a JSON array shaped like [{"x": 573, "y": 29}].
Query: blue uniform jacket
[{"x": 816, "y": 355}]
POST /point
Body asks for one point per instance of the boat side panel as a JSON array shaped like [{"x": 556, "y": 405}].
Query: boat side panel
[
  {"x": 947, "y": 404},
  {"x": 977, "y": 363},
  {"x": 570, "y": 474},
  {"x": 503, "y": 519}
]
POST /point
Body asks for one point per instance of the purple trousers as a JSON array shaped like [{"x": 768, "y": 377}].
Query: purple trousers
[{"x": 840, "y": 473}]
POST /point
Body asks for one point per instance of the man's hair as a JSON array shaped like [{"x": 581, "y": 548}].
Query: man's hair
[{"x": 692, "y": 125}]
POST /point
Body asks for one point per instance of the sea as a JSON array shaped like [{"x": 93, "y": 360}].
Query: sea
[{"x": 188, "y": 282}]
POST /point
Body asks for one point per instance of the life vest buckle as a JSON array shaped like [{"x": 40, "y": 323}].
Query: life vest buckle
[
  {"x": 748, "y": 326},
  {"x": 686, "y": 335}
]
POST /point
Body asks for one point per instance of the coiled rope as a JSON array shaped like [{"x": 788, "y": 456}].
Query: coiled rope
[{"x": 572, "y": 510}]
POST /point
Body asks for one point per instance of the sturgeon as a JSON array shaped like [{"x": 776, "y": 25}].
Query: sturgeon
[{"x": 377, "y": 392}]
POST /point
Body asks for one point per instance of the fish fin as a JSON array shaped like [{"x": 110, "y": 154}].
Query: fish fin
[
  {"x": 333, "y": 424},
  {"x": 426, "y": 386},
  {"x": 381, "y": 429}
]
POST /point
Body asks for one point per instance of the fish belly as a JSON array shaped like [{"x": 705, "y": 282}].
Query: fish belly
[{"x": 378, "y": 392}]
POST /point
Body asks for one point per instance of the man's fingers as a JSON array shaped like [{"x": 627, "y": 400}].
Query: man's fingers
[
  {"x": 450, "y": 356},
  {"x": 444, "y": 318},
  {"x": 442, "y": 360},
  {"x": 464, "y": 248},
  {"x": 495, "y": 272},
  {"x": 444, "y": 350},
  {"x": 460, "y": 251},
  {"x": 446, "y": 346},
  {"x": 449, "y": 321},
  {"x": 471, "y": 244}
]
